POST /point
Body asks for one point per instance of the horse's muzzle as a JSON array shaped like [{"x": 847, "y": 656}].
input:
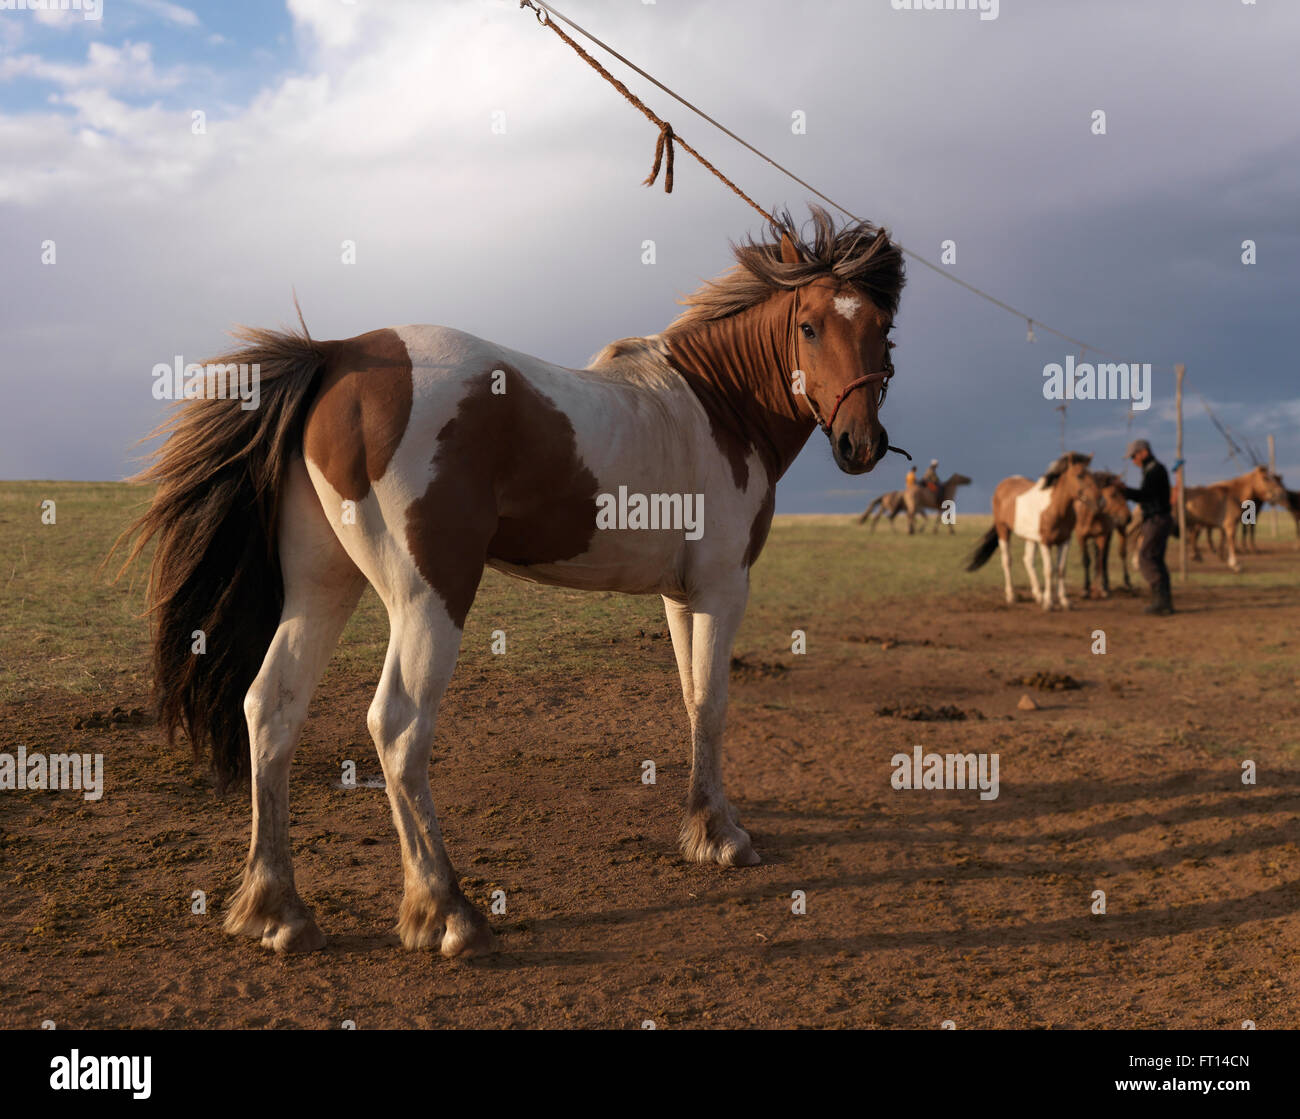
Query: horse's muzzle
[{"x": 859, "y": 456}]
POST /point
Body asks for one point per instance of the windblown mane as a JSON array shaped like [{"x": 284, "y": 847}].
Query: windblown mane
[
  {"x": 1062, "y": 464},
  {"x": 860, "y": 254}
]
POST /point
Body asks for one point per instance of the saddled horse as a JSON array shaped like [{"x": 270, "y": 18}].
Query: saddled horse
[
  {"x": 1220, "y": 505},
  {"x": 1042, "y": 513},
  {"x": 918, "y": 498},
  {"x": 411, "y": 457},
  {"x": 886, "y": 505},
  {"x": 1095, "y": 528}
]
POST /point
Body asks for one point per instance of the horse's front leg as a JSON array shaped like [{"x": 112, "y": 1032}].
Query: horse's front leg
[
  {"x": 711, "y": 832},
  {"x": 1031, "y": 548},
  {"x": 1062, "y": 558},
  {"x": 1103, "y": 565},
  {"x": 1230, "y": 543},
  {"x": 1121, "y": 539}
]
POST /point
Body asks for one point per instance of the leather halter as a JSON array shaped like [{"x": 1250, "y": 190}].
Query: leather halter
[{"x": 879, "y": 377}]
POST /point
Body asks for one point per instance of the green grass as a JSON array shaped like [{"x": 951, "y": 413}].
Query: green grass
[{"x": 64, "y": 624}]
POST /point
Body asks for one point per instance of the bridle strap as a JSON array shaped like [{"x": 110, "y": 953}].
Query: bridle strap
[{"x": 881, "y": 377}]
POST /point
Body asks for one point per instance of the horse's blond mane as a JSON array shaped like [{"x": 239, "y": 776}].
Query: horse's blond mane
[{"x": 860, "y": 254}]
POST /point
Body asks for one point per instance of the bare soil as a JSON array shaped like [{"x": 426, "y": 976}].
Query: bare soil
[{"x": 922, "y": 906}]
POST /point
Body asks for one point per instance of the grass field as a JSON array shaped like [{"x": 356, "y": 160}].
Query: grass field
[{"x": 64, "y": 622}]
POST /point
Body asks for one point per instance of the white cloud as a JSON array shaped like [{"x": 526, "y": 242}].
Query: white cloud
[
  {"x": 129, "y": 67},
  {"x": 333, "y": 23},
  {"x": 382, "y": 134}
]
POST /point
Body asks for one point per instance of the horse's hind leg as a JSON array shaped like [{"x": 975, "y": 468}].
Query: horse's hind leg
[
  {"x": 1061, "y": 558},
  {"x": 710, "y": 832},
  {"x": 1004, "y": 548},
  {"x": 1030, "y": 552},
  {"x": 422, "y": 650},
  {"x": 321, "y": 588}
]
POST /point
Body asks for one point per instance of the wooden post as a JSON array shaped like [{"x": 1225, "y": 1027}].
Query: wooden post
[
  {"x": 1180, "y": 370},
  {"x": 1272, "y": 469}
]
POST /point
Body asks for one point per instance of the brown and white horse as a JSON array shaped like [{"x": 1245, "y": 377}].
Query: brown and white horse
[
  {"x": 1221, "y": 504},
  {"x": 411, "y": 457},
  {"x": 1095, "y": 528},
  {"x": 1042, "y": 514}
]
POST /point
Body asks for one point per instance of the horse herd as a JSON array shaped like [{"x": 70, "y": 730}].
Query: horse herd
[{"x": 1070, "y": 499}]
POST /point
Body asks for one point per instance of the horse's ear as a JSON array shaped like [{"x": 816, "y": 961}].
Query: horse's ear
[
  {"x": 1086, "y": 459},
  {"x": 789, "y": 250}
]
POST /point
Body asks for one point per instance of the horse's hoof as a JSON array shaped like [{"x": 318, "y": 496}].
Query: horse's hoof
[
  {"x": 452, "y": 926},
  {"x": 274, "y": 916},
  {"x": 706, "y": 839},
  {"x": 298, "y": 938}
]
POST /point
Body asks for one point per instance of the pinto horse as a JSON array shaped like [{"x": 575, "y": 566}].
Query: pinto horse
[
  {"x": 411, "y": 457},
  {"x": 1043, "y": 514}
]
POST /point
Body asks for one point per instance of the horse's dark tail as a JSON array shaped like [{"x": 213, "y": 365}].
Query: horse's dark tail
[
  {"x": 862, "y": 519},
  {"x": 986, "y": 547},
  {"x": 215, "y": 590}
]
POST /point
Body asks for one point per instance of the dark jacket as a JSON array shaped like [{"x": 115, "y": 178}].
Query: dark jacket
[{"x": 1153, "y": 495}]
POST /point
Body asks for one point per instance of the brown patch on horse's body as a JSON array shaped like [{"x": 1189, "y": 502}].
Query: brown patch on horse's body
[
  {"x": 1067, "y": 479},
  {"x": 508, "y": 485},
  {"x": 1004, "y": 502},
  {"x": 360, "y": 412}
]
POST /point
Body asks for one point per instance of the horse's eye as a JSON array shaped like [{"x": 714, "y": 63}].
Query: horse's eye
[{"x": 808, "y": 331}]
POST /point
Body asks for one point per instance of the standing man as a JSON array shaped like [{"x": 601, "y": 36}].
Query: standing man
[{"x": 1152, "y": 497}]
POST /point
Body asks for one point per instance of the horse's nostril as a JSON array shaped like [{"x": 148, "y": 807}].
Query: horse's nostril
[{"x": 845, "y": 446}]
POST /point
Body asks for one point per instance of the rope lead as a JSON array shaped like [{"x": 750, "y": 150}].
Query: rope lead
[{"x": 665, "y": 141}]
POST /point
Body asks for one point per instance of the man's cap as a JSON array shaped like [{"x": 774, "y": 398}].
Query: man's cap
[
  {"x": 1137, "y": 445},
  {"x": 934, "y": 462}
]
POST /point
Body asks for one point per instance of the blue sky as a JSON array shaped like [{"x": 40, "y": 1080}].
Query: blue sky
[
  {"x": 371, "y": 121},
  {"x": 228, "y": 48}
]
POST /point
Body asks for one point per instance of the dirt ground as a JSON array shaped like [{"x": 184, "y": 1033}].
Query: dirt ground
[{"x": 921, "y": 906}]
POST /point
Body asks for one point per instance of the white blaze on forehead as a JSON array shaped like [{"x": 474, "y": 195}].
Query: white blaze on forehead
[{"x": 847, "y": 305}]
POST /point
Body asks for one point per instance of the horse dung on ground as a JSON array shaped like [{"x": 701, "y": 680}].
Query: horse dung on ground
[{"x": 411, "y": 457}]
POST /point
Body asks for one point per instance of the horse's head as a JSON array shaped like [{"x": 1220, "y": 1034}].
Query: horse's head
[
  {"x": 840, "y": 342},
  {"x": 1070, "y": 474},
  {"x": 1113, "y": 502},
  {"x": 1269, "y": 487},
  {"x": 818, "y": 313}
]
